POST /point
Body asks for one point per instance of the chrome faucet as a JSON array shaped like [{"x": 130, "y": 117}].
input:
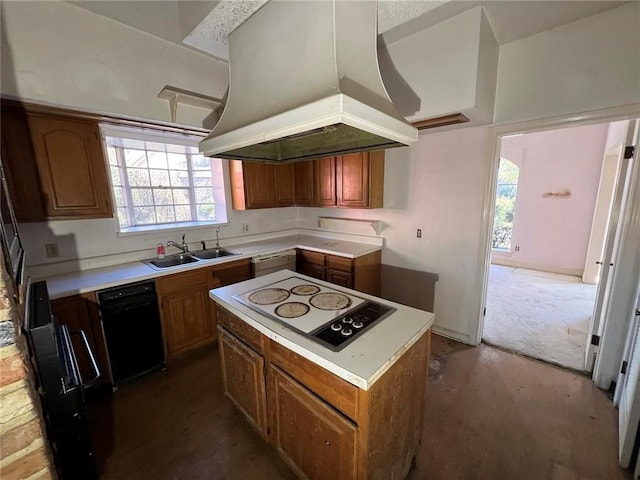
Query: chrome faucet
[
  {"x": 184, "y": 247},
  {"x": 217, "y": 238}
]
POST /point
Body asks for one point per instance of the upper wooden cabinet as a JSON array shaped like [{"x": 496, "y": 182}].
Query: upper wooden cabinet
[
  {"x": 325, "y": 182},
  {"x": 303, "y": 183},
  {"x": 360, "y": 180},
  {"x": 252, "y": 185},
  {"x": 284, "y": 187},
  {"x": 348, "y": 181},
  {"x": 56, "y": 167}
]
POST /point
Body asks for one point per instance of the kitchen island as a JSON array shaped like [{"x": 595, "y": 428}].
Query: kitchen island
[{"x": 345, "y": 412}]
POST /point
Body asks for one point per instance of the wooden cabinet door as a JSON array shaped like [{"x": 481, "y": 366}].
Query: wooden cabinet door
[
  {"x": 71, "y": 166},
  {"x": 283, "y": 185},
  {"x": 314, "y": 438},
  {"x": 21, "y": 171},
  {"x": 258, "y": 185},
  {"x": 188, "y": 323},
  {"x": 311, "y": 264},
  {"x": 325, "y": 182},
  {"x": 339, "y": 277},
  {"x": 312, "y": 270},
  {"x": 303, "y": 183},
  {"x": 352, "y": 173},
  {"x": 244, "y": 379}
]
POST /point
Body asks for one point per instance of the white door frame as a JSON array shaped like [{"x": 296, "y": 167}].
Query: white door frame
[{"x": 628, "y": 112}]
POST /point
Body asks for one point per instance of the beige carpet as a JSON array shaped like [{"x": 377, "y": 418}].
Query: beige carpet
[{"x": 539, "y": 314}]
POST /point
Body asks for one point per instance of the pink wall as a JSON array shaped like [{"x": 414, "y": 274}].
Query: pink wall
[{"x": 553, "y": 233}]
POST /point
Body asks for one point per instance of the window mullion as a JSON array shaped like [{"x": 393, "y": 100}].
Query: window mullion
[
  {"x": 128, "y": 199},
  {"x": 192, "y": 189}
]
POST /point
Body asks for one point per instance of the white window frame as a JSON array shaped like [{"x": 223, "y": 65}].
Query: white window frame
[{"x": 149, "y": 135}]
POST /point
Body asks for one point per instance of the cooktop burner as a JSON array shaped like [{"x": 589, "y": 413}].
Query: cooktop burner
[{"x": 328, "y": 316}]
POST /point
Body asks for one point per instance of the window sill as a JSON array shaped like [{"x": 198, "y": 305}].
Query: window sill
[{"x": 151, "y": 229}]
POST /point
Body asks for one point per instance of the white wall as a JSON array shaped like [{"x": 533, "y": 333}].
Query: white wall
[
  {"x": 59, "y": 53},
  {"x": 438, "y": 186},
  {"x": 586, "y": 65},
  {"x": 446, "y": 68},
  {"x": 553, "y": 233}
]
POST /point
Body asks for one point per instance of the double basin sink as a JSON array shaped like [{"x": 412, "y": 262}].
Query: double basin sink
[{"x": 186, "y": 258}]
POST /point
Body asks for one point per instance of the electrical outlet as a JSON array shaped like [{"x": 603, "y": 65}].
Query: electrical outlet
[
  {"x": 517, "y": 249},
  {"x": 419, "y": 233},
  {"x": 245, "y": 227},
  {"x": 52, "y": 250}
]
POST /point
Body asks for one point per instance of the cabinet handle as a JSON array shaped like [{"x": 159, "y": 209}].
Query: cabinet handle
[{"x": 327, "y": 442}]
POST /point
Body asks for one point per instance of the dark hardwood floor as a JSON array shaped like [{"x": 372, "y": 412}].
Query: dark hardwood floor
[{"x": 490, "y": 415}]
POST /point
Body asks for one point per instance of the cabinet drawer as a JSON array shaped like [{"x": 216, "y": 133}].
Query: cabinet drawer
[
  {"x": 340, "y": 263},
  {"x": 342, "y": 395},
  {"x": 180, "y": 281},
  {"x": 314, "y": 258},
  {"x": 232, "y": 272},
  {"x": 240, "y": 329}
]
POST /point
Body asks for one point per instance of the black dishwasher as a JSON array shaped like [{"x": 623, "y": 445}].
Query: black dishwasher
[{"x": 132, "y": 330}]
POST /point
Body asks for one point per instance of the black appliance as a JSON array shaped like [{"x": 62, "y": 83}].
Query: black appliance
[
  {"x": 341, "y": 331},
  {"x": 132, "y": 330},
  {"x": 60, "y": 386}
]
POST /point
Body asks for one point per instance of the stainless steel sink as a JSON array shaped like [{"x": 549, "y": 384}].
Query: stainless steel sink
[
  {"x": 172, "y": 261},
  {"x": 213, "y": 253}
]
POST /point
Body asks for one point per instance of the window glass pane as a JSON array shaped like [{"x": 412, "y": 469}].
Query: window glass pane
[
  {"x": 165, "y": 214},
  {"x": 144, "y": 215},
  {"x": 122, "y": 217},
  {"x": 162, "y": 196},
  {"x": 177, "y": 161},
  {"x": 115, "y": 175},
  {"x": 157, "y": 159},
  {"x": 179, "y": 179},
  {"x": 183, "y": 213},
  {"x": 138, "y": 177},
  {"x": 159, "y": 178},
  {"x": 118, "y": 193},
  {"x": 172, "y": 148},
  {"x": 202, "y": 178},
  {"x": 141, "y": 196},
  {"x": 204, "y": 195},
  {"x": 135, "y": 158},
  {"x": 181, "y": 196},
  {"x": 111, "y": 153},
  {"x": 206, "y": 212},
  {"x": 201, "y": 162}
]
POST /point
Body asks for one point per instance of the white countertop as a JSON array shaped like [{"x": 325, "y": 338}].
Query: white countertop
[
  {"x": 361, "y": 362},
  {"x": 105, "y": 277}
]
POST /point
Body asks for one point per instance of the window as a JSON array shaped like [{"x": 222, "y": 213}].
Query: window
[
  {"x": 505, "y": 204},
  {"x": 160, "y": 180}
]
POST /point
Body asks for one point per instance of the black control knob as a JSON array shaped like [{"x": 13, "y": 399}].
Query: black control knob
[
  {"x": 347, "y": 320},
  {"x": 357, "y": 324},
  {"x": 346, "y": 331},
  {"x": 336, "y": 326}
]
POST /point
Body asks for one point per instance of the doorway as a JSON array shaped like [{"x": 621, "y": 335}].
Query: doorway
[{"x": 548, "y": 188}]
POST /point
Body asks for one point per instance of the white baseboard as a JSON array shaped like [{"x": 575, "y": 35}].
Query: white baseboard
[
  {"x": 509, "y": 262},
  {"x": 452, "y": 334}
]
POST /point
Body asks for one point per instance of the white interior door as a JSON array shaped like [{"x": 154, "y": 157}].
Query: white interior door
[
  {"x": 628, "y": 392},
  {"x": 606, "y": 262}
]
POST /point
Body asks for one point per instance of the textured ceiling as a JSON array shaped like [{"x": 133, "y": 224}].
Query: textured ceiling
[{"x": 205, "y": 24}]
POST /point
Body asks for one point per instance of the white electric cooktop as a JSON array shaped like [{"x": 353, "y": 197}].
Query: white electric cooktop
[{"x": 299, "y": 303}]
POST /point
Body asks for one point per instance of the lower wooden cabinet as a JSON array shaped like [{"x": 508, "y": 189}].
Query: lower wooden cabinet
[
  {"x": 188, "y": 315},
  {"x": 361, "y": 273},
  {"x": 188, "y": 324},
  {"x": 321, "y": 425},
  {"x": 243, "y": 377},
  {"x": 315, "y": 439}
]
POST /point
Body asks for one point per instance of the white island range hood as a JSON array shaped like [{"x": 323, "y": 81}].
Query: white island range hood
[{"x": 305, "y": 83}]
